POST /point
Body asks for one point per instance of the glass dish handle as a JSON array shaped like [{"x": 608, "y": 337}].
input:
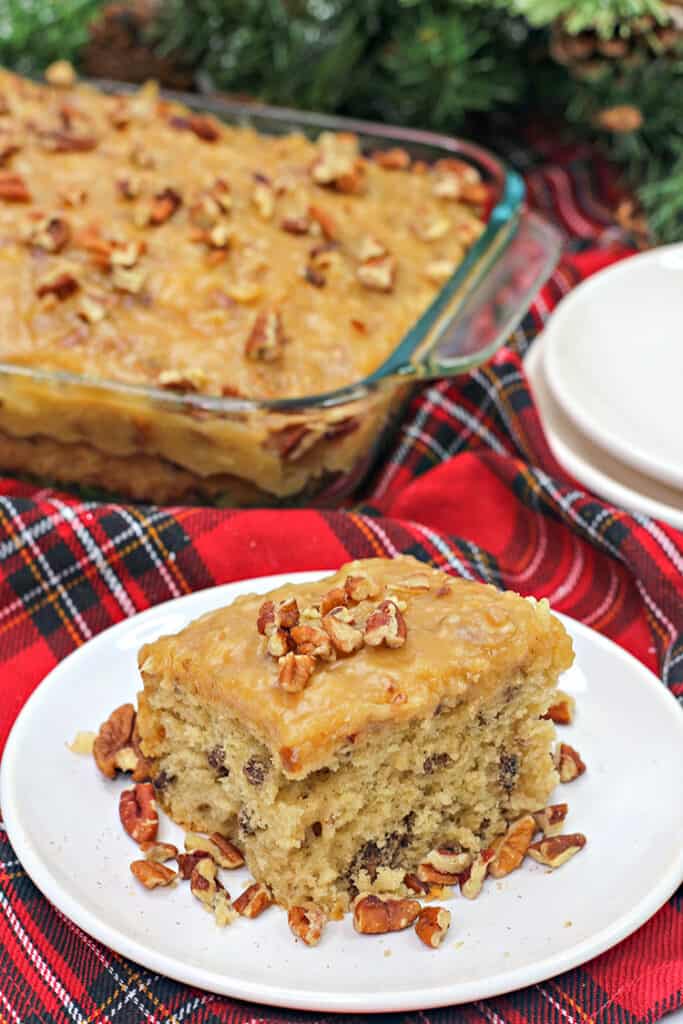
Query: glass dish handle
[{"x": 492, "y": 308}]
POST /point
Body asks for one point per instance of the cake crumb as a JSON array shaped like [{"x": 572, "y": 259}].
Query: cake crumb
[
  {"x": 82, "y": 743},
  {"x": 459, "y": 944},
  {"x": 568, "y": 924},
  {"x": 387, "y": 952}
]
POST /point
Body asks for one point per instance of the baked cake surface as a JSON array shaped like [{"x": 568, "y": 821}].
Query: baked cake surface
[{"x": 431, "y": 736}]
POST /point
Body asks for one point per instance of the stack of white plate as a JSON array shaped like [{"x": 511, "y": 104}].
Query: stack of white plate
[{"x": 607, "y": 375}]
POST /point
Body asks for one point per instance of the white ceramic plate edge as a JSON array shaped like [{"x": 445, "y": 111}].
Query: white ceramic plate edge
[
  {"x": 645, "y": 462},
  {"x": 277, "y": 995},
  {"x": 601, "y": 483}
]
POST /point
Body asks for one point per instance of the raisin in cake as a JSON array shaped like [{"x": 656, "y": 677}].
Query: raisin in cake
[{"x": 340, "y": 730}]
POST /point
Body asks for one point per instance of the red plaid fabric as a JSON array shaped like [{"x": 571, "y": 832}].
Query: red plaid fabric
[{"x": 472, "y": 487}]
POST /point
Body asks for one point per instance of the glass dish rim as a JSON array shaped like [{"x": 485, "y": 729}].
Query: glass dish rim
[{"x": 396, "y": 366}]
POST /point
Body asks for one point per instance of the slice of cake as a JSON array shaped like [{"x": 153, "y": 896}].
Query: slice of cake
[{"x": 342, "y": 730}]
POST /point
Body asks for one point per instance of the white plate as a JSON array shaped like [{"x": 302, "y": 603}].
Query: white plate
[
  {"x": 62, "y": 817},
  {"x": 614, "y": 361},
  {"x": 598, "y": 470}
]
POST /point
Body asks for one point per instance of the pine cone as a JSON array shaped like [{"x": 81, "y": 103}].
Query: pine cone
[{"x": 119, "y": 47}]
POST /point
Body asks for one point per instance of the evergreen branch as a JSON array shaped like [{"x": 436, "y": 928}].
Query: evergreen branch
[{"x": 34, "y": 33}]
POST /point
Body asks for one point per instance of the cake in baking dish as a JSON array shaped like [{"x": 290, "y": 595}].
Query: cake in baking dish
[{"x": 342, "y": 729}]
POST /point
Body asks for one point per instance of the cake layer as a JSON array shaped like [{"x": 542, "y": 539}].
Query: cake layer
[{"x": 464, "y": 643}]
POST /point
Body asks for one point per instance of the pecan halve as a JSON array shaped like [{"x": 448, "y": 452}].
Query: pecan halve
[
  {"x": 307, "y": 923},
  {"x": 432, "y": 924},
  {"x": 138, "y": 812},
  {"x": 569, "y": 763},
  {"x": 13, "y": 189},
  {"x": 312, "y": 640},
  {"x": 266, "y": 340},
  {"x": 294, "y": 671},
  {"x": 554, "y": 851},
  {"x": 114, "y": 736},
  {"x": 377, "y": 915},
  {"x": 551, "y": 819},
  {"x": 511, "y": 848},
  {"x": 254, "y": 900},
  {"x": 386, "y": 625},
  {"x": 152, "y": 874}
]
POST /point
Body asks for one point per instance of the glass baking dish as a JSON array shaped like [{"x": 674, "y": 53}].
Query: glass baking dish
[{"x": 144, "y": 443}]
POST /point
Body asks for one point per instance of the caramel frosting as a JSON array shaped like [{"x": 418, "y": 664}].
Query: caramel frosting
[
  {"x": 463, "y": 641},
  {"x": 142, "y": 243}
]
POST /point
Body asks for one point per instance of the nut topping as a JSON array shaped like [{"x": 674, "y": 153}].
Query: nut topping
[
  {"x": 569, "y": 763},
  {"x": 386, "y": 625},
  {"x": 360, "y": 587},
  {"x": 128, "y": 186},
  {"x": 278, "y": 643},
  {"x": 13, "y": 189},
  {"x": 159, "y": 852},
  {"x": 60, "y": 283},
  {"x": 562, "y": 711},
  {"x": 307, "y": 923},
  {"x": 267, "y": 338},
  {"x": 50, "y": 233},
  {"x": 138, "y": 812},
  {"x": 220, "y": 849},
  {"x": 377, "y": 915},
  {"x": 472, "y": 880},
  {"x": 283, "y": 616},
  {"x": 447, "y": 861},
  {"x": 554, "y": 851},
  {"x": 163, "y": 206},
  {"x": 296, "y": 225},
  {"x": 66, "y": 142},
  {"x": 325, "y": 222},
  {"x": 332, "y": 599},
  {"x": 187, "y": 862},
  {"x": 370, "y": 248},
  {"x": 203, "y": 127},
  {"x": 254, "y": 900},
  {"x": 439, "y": 271},
  {"x": 551, "y": 819},
  {"x": 395, "y": 159},
  {"x": 91, "y": 309},
  {"x": 432, "y": 229},
  {"x": 377, "y": 274},
  {"x": 294, "y": 671},
  {"x": 114, "y": 736},
  {"x": 346, "y": 638},
  {"x": 510, "y": 849},
  {"x": 60, "y": 74},
  {"x": 312, "y": 640},
  {"x": 151, "y": 874},
  {"x": 339, "y": 165},
  {"x": 416, "y": 885},
  {"x": 263, "y": 198},
  {"x": 432, "y": 924}
]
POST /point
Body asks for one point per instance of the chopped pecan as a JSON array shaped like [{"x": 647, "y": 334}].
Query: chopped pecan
[
  {"x": 254, "y": 900},
  {"x": 432, "y": 924},
  {"x": 369, "y": 248},
  {"x": 476, "y": 193},
  {"x": 50, "y": 233},
  {"x": 272, "y": 617},
  {"x": 561, "y": 712},
  {"x": 432, "y": 228},
  {"x": 338, "y": 164},
  {"x": 60, "y": 283},
  {"x": 114, "y": 736},
  {"x": 510, "y": 849},
  {"x": 294, "y": 671},
  {"x": 569, "y": 763},
  {"x": 439, "y": 271},
  {"x": 141, "y": 157},
  {"x": 416, "y": 885},
  {"x": 56, "y": 141},
  {"x": 13, "y": 189},
  {"x": 220, "y": 235},
  {"x": 416, "y": 581},
  {"x": 332, "y": 599},
  {"x": 307, "y": 923},
  {"x": 300, "y": 225},
  {"x": 324, "y": 220},
  {"x": 551, "y": 819},
  {"x": 220, "y": 849},
  {"x": 187, "y": 862},
  {"x": 128, "y": 186},
  {"x": 312, "y": 640},
  {"x": 119, "y": 113},
  {"x": 152, "y": 874},
  {"x": 472, "y": 879},
  {"x": 125, "y": 254},
  {"x": 159, "y": 852},
  {"x": 61, "y": 74},
  {"x": 267, "y": 337},
  {"x": 91, "y": 308},
  {"x": 446, "y": 861},
  {"x": 164, "y": 205},
  {"x": 263, "y": 198},
  {"x": 8, "y": 148},
  {"x": 138, "y": 812},
  {"x": 554, "y": 851},
  {"x": 386, "y": 625},
  {"x": 315, "y": 277},
  {"x": 394, "y": 159},
  {"x": 338, "y": 624},
  {"x": 278, "y": 643},
  {"x": 128, "y": 279},
  {"x": 203, "y": 127},
  {"x": 377, "y": 915},
  {"x": 377, "y": 274},
  {"x": 203, "y": 882},
  {"x": 359, "y": 586}
]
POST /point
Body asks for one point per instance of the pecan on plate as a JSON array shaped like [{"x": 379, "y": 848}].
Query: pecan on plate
[
  {"x": 551, "y": 819},
  {"x": 511, "y": 848},
  {"x": 569, "y": 763},
  {"x": 220, "y": 849},
  {"x": 158, "y": 852},
  {"x": 554, "y": 851},
  {"x": 138, "y": 812},
  {"x": 152, "y": 874},
  {"x": 307, "y": 923},
  {"x": 254, "y": 900},
  {"x": 443, "y": 866},
  {"x": 561, "y": 711},
  {"x": 472, "y": 879},
  {"x": 432, "y": 924},
  {"x": 377, "y": 915},
  {"x": 203, "y": 882}
]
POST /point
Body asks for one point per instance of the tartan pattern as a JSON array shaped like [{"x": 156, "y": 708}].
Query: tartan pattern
[{"x": 470, "y": 486}]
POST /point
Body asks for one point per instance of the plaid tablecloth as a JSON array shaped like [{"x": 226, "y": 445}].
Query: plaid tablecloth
[{"x": 472, "y": 487}]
